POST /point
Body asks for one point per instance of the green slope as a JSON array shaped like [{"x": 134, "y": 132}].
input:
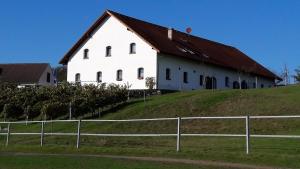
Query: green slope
[{"x": 272, "y": 152}]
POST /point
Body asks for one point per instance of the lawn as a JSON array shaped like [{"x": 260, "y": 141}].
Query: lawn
[
  {"x": 267, "y": 152},
  {"x": 55, "y": 162}
]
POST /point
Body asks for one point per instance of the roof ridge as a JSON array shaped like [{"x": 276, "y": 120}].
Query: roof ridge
[
  {"x": 156, "y": 36},
  {"x": 148, "y": 22}
]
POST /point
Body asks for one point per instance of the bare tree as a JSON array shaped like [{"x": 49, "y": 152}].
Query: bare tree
[{"x": 297, "y": 76}]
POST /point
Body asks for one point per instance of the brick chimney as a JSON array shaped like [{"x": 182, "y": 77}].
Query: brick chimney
[{"x": 170, "y": 33}]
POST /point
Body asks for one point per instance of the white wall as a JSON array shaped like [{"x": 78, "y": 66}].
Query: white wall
[
  {"x": 194, "y": 70},
  {"x": 43, "y": 78},
  {"x": 115, "y": 34}
]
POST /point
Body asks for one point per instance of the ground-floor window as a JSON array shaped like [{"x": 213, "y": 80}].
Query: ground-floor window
[
  {"x": 210, "y": 83},
  {"x": 140, "y": 73},
  {"x": 185, "y": 77},
  {"x": 227, "y": 81},
  {"x": 168, "y": 74},
  {"x": 244, "y": 85},
  {"x": 235, "y": 85},
  {"x": 99, "y": 77},
  {"x": 77, "y": 77},
  {"x": 201, "y": 80}
]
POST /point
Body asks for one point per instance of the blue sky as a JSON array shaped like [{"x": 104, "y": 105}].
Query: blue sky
[{"x": 44, "y": 30}]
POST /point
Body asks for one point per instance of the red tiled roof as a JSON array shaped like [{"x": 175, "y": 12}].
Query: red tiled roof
[
  {"x": 182, "y": 45},
  {"x": 22, "y": 72}
]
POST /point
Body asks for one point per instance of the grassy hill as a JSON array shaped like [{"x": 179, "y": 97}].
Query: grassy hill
[{"x": 274, "y": 152}]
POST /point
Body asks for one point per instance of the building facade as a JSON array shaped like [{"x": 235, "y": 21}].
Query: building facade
[
  {"x": 27, "y": 74},
  {"x": 123, "y": 50}
]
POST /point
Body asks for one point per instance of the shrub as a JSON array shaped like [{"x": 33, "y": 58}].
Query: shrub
[
  {"x": 54, "y": 101},
  {"x": 12, "y": 111},
  {"x": 54, "y": 110}
]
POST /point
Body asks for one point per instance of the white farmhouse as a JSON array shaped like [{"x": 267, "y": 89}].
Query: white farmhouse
[{"x": 123, "y": 50}]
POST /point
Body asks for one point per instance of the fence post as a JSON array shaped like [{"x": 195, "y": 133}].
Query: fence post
[
  {"x": 247, "y": 134},
  {"x": 78, "y": 134},
  {"x": 70, "y": 110},
  {"x": 8, "y": 134},
  {"x": 42, "y": 134},
  {"x": 178, "y": 134}
]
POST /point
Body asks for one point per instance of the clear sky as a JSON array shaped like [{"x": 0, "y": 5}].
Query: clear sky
[{"x": 44, "y": 30}]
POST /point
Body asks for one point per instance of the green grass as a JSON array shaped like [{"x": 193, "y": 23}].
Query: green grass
[
  {"x": 54, "y": 162},
  {"x": 271, "y": 152}
]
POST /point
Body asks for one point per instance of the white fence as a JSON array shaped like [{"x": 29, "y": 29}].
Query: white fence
[{"x": 247, "y": 135}]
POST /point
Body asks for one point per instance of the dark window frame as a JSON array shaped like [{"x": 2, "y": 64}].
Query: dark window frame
[
  {"x": 201, "y": 78},
  {"x": 86, "y": 54},
  {"x": 227, "y": 81},
  {"x": 185, "y": 77},
  {"x": 99, "y": 77},
  {"x": 119, "y": 75},
  {"x": 108, "y": 51},
  {"x": 77, "y": 77},
  {"x": 140, "y": 74},
  {"x": 168, "y": 74},
  {"x": 48, "y": 78},
  {"x": 132, "y": 48}
]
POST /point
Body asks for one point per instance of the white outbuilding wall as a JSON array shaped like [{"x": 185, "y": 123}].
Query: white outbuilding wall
[
  {"x": 195, "y": 69},
  {"x": 115, "y": 34}
]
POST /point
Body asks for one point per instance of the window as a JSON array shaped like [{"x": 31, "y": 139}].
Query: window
[
  {"x": 227, "y": 81},
  {"x": 132, "y": 49},
  {"x": 1, "y": 70},
  {"x": 140, "y": 73},
  {"x": 185, "y": 77},
  {"x": 86, "y": 54},
  {"x": 77, "y": 77},
  {"x": 201, "y": 80},
  {"x": 48, "y": 77},
  {"x": 108, "y": 51},
  {"x": 236, "y": 85},
  {"x": 254, "y": 85},
  {"x": 214, "y": 83},
  {"x": 168, "y": 74},
  {"x": 119, "y": 75},
  {"x": 262, "y": 86},
  {"x": 244, "y": 85},
  {"x": 99, "y": 77}
]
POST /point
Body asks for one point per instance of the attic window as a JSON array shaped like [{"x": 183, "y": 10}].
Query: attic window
[
  {"x": 190, "y": 51},
  {"x": 206, "y": 56},
  {"x": 86, "y": 54},
  {"x": 181, "y": 49},
  {"x": 108, "y": 51},
  {"x": 48, "y": 77},
  {"x": 132, "y": 49}
]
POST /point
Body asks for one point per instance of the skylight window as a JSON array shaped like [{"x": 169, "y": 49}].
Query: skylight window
[{"x": 182, "y": 49}]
